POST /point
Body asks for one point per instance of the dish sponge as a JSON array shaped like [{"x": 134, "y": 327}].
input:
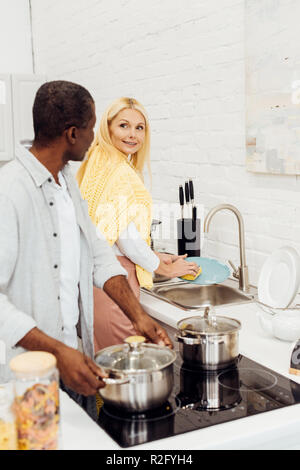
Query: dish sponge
[{"x": 190, "y": 277}]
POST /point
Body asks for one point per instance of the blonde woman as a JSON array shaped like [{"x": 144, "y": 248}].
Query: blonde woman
[{"x": 111, "y": 181}]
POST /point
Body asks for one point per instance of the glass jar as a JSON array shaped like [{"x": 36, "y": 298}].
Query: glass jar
[
  {"x": 8, "y": 433},
  {"x": 36, "y": 404}
]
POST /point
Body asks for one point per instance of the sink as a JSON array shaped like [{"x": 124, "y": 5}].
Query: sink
[{"x": 192, "y": 296}]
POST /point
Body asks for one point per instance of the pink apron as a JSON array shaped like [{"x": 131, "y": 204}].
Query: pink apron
[{"x": 111, "y": 325}]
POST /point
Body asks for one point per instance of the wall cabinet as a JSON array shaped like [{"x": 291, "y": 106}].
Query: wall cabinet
[
  {"x": 6, "y": 123},
  {"x": 17, "y": 94}
]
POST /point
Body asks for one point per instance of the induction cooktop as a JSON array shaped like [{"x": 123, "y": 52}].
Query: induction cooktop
[{"x": 200, "y": 399}]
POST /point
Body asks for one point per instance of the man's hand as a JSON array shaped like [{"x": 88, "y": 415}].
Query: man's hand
[
  {"x": 79, "y": 372},
  {"x": 120, "y": 292},
  {"x": 148, "y": 327}
]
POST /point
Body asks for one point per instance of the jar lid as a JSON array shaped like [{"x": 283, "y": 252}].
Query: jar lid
[
  {"x": 135, "y": 356},
  {"x": 215, "y": 325},
  {"x": 33, "y": 362}
]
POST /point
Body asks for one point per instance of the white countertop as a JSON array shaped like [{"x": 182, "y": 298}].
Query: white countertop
[{"x": 278, "y": 429}]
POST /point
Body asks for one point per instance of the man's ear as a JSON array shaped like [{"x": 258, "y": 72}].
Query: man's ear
[{"x": 71, "y": 134}]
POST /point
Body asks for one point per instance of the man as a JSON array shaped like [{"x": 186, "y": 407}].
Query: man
[{"x": 50, "y": 254}]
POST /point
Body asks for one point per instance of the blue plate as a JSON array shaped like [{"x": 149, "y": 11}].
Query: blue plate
[{"x": 213, "y": 271}]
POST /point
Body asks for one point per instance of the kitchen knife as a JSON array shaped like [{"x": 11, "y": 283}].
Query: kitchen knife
[
  {"x": 191, "y": 188},
  {"x": 187, "y": 196},
  {"x": 181, "y": 200},
  {"x": 194, "y": 218}
]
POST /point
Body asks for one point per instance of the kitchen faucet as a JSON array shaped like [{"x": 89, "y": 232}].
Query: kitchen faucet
[
  {"x": 154, "y": 224},
  {"x": 242, "y": 272}
]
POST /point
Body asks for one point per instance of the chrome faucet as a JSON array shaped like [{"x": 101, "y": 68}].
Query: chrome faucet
[
  {"x": 154, "y": 224},
  {"x": 242, "y": 272}
]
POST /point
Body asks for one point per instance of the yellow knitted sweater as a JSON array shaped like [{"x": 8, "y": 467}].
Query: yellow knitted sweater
[{"x": 116, "y": 196}]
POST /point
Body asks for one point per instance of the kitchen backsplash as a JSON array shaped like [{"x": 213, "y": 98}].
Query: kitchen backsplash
[{"x": 186, "y": 63}]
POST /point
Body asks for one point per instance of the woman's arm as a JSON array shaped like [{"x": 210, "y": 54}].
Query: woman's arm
[{"x": 131, "y": 244}]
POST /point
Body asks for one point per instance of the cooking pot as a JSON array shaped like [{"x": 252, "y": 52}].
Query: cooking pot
[
  {"x": 209, "y": 390},
  {"x": 140, "y": 374},
  {"x": 209, "y": 342}
]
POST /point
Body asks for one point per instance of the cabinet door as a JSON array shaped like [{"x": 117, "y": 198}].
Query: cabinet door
[
  {"x": 24, "y": 88},
  {"x": 6, "y": 124}
]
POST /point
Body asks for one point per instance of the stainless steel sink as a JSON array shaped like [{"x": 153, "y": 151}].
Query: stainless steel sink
[{"x": 191, "y": 296}]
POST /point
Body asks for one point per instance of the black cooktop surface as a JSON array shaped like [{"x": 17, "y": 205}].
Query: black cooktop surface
[{"x": 200, "y": 399}]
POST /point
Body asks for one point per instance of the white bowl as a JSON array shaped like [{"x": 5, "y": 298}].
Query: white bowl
[{"x": 284, "y": 324}]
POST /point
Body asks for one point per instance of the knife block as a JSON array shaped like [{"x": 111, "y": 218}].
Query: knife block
[{"x": 189, "y": 237}]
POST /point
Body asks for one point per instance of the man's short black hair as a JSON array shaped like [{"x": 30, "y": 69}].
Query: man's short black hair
[{"x": 59, "y": 105}]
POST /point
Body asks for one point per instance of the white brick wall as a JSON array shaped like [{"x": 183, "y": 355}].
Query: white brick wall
[
  {"x": 15, "y": 37},
  {"x": 185, "y": 61}
]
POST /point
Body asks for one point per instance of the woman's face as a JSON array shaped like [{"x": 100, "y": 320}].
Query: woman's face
[{"x": 127, "y": 131}]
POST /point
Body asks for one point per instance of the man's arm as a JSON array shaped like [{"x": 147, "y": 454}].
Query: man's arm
[
  {"x": 14, "y": 323},
  {"x": 17, "y": 328},
  {"x": 115, "y": 285},
  {"x": 119, "y": 290},
  {"x": 77, "y": 371}
]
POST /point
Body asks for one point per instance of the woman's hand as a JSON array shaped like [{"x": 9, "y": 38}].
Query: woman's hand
[
  {"x": 168, "y": 258},
  {"x": 176, "y": 266}
]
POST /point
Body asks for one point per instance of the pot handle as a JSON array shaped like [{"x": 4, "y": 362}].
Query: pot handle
[
  {"x": 186, "y": 340},
  {"x": 178, "y": 338},
  {"x": 108, "y": 381}
]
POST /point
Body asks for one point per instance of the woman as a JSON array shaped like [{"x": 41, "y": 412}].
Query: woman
[{"x": 110, "y": 179}]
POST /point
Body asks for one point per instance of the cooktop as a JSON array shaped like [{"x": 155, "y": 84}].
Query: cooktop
[{"x": 200, "y": 399}]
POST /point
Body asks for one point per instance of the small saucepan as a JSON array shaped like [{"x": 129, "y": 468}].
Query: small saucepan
[
  {"x": 209, "y": 342},
  {"x": 140, "y": 374}
]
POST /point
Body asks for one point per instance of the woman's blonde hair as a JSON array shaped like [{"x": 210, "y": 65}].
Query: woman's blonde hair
[{"x": 103, "y": 140}]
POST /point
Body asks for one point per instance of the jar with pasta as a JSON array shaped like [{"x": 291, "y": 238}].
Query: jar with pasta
[
  {"x": 8, "y": 434},
  {"x": 36, "y": 403}
]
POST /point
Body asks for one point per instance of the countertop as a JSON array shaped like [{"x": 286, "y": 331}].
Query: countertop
[{"x": 278, "y": 429}]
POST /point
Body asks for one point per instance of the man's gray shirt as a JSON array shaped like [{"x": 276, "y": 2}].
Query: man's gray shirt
[{"x": 30, "y": 256}]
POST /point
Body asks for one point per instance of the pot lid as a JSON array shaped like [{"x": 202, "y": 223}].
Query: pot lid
[
  {"x": 135, "y": 356},
  {"x": 210, "y": 324}
]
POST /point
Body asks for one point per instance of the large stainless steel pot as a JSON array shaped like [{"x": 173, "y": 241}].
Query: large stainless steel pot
[
  {"x": 209, "y": 342},
  {"x": 140, "y": 374}
]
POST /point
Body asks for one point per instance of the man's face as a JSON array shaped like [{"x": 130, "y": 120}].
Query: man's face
[{"x": 82, "y": 141}]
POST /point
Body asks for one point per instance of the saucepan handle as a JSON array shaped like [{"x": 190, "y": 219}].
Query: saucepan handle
[
  {"x": 178, "y": 338},
  {"x": 186, "y": 340},
  {"x": 121, "y": 381}
]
